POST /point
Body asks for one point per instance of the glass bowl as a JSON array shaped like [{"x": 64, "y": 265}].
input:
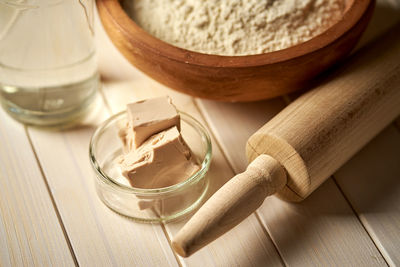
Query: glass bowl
[{"x": 148, "y": 205}]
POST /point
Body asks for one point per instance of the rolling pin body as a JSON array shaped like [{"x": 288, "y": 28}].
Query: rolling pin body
[
  {"x": 306, "y": 142},
  {"x": 321, "y": 130}
]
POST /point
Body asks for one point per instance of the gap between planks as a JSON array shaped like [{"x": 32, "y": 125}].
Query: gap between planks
[
  {"x": 257, "y": 215},
  {"x": 215, "y": 252},
  {"x": 370, "y": 184},
  {"x": 359, "y": 219},
  {"x": 309, "y": 208},
  {"x": 369, "y": 230},
  {"x": 31, "y": 231},
  {"x": 162, "y": 224},
  {"x": 290, "y": 98},
  {"x": 52, "y": 198},
  {"x": 98, "y": 235}
]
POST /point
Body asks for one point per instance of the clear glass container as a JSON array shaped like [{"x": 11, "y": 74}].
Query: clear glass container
[
  {"x": 148, "y": 205},
  {"x": 48, "y": 69}
]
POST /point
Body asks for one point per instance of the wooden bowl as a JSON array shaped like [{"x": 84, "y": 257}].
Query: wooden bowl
[{"x": 234, "y": 78}]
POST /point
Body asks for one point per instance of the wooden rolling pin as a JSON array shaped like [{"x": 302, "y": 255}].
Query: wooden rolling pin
[{"x": 306, "y": 142}]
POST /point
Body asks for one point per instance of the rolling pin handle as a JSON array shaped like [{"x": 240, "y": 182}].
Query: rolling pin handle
[{"x": 231, "y": 204}]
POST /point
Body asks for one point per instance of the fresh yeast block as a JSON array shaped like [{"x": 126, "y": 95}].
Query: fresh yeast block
[
  {"x": 162, "y": 160},
  {"x": 146, "y": 118}
]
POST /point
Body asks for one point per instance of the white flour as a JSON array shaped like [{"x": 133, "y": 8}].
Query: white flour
[{"x": 235, "y": 27}]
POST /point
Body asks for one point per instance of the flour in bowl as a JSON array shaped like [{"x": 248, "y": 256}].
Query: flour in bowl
[{"x": 235, "y": 27}]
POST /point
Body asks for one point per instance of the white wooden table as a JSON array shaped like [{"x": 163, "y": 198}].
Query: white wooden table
[{"x": 50, "y": 214}]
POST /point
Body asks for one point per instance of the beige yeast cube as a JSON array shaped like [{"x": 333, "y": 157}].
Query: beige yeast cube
[
  {"x": 162, "y": 160},
  {"x": 149, "y": 117}
]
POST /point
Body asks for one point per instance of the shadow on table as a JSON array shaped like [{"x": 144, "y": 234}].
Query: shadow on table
[{"x": 326, "y": 221}]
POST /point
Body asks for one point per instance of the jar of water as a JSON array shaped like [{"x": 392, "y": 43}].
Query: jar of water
[{"x": 48, "y": 70}]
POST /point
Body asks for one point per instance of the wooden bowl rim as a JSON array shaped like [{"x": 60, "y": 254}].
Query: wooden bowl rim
[{"x": 142, "y": 39}]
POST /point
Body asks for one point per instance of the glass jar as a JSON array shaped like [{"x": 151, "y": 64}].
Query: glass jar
[
  {"x": 48, "y": 70},
  {"x": 148, "y": 205}
]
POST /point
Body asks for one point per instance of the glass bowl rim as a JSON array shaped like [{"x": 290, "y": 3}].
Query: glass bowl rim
[{"x": 205, "y": 164}]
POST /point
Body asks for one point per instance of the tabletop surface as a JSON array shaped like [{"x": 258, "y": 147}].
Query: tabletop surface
[{"x": 50, "y": 214}]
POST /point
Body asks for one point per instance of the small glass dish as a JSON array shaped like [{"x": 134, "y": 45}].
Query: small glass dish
[{"x": 148, "y": 205}]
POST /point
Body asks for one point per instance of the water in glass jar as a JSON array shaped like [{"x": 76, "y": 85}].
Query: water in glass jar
[{"x": 48, "y": 71}]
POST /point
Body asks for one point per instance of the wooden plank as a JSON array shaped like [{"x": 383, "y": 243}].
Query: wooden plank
[
  {"x": 251, "y": 117},
  {"x": 249, "y": 240},
  {"x": 30, "y": 232},
  {"x": 308, "y": 233},
  {"x": 324, "y": 228},
  {"x": 370, "y": 181},
  {"x": 98, "y": 236},
  {"x": 246, "y": 245}
]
